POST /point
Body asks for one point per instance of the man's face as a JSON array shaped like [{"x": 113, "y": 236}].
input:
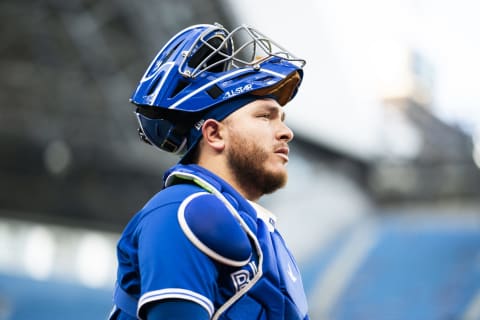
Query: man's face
[{"x": 257, "y": 146}]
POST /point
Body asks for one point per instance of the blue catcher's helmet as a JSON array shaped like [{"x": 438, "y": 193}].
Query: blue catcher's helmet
[{"x": 205, "y": 71}]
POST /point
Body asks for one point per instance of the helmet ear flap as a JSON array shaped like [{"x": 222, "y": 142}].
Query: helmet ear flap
[{"x": 162, "y": 133}]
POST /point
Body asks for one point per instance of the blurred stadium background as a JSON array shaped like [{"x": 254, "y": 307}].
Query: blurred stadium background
[{"x": 383, "y": 203}]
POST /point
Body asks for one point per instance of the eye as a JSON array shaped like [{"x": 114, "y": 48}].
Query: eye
[{"x": 264, "y": 115}]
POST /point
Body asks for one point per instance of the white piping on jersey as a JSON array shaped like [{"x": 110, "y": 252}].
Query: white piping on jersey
[
  {"x": 115, "y": 308},
  {"x": 199, "y": 244},
  {"x": 210, "y": 188},
  {"x": 175, "y": 293},
  {"x": 191, "y": 94}
]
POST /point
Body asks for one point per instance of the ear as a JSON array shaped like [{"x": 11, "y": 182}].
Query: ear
[{"x": 213, "y": 134}]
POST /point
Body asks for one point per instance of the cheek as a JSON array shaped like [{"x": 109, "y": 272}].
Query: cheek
[
  {"x": 262, "y": 132},
  {"x": 260, "y": 135}
]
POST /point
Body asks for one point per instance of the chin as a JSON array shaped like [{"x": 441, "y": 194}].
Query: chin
[
  {"x": 271, "y": 181},
  {"x": 279, "y": 173},
  {"x": 279, "y": 168}
]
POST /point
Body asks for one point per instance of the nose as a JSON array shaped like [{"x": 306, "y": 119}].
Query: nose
[{"x": 285, "y": 133}]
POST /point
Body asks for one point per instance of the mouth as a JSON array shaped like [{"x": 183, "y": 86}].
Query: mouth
[{"x": 283, "y": 152}]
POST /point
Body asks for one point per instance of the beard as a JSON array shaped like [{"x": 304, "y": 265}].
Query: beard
[{"x": 247, "y": 161}]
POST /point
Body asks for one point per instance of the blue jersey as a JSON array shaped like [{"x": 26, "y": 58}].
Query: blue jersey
[{"x": 199, "y": 240}]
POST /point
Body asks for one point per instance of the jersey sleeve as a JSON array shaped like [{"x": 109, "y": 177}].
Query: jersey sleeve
[
  {"x": 176, "y": 309},
  {"x": 171, "y": 266}
]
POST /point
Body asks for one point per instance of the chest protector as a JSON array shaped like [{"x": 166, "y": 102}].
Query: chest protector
[{"x": 258, "y": 277}]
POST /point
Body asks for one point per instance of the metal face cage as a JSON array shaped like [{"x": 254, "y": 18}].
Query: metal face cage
[{"x": 219, "y": 50}]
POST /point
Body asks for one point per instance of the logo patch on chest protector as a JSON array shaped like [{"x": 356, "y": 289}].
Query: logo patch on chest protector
[{"x": 242, "y": 277}]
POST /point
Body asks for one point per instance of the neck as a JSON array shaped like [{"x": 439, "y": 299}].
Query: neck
[{"x": 222, "y": 170}]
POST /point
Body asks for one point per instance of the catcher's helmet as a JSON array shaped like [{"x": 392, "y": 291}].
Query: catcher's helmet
[{"x": 206, "y": 70}]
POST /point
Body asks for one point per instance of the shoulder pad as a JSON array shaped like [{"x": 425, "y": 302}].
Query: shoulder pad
[{"x": 213, "y": 229}]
